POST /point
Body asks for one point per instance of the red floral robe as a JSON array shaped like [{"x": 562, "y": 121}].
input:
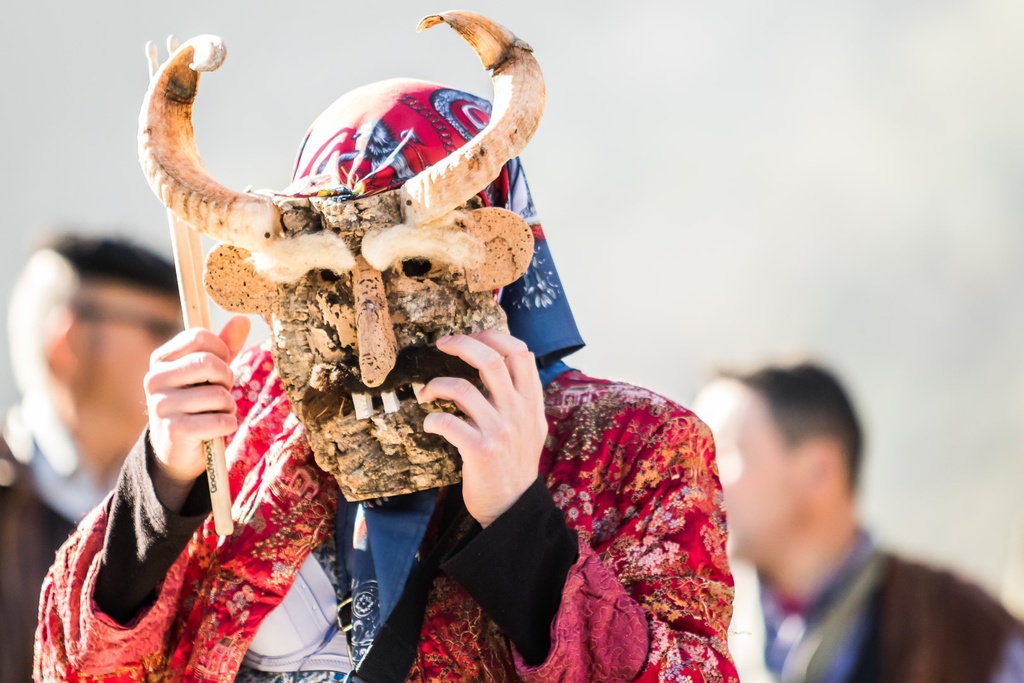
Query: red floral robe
[{"x": 649, "y": 598}]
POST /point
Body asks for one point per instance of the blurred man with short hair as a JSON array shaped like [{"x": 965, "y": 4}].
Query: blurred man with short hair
[
  {"x": 84, "y": 317},
  {"x": 827, "y": 606}
]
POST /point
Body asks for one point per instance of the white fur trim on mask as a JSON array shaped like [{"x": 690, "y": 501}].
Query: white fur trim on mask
[
  {"x": 288, "y": 259},
  {"x": 446, "y": 243}
]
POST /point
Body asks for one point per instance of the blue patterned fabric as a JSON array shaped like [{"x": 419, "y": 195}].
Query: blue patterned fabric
[
  {"x": 536, "y": 306},
  {"x": 379, "y": 541}
]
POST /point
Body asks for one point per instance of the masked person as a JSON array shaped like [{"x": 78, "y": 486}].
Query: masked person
[
  {"x": 827, "y": 605},
  {"x": 419, "y": 491},
  {"x": 84, "y": 315}
]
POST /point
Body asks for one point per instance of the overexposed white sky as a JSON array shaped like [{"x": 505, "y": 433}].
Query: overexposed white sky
[{"x": 721, "y": 183}]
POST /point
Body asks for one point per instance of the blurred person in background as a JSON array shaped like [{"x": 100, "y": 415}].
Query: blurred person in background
[
  {"x": 826, "y": 604},
  {"x": 84, "y": 317}
]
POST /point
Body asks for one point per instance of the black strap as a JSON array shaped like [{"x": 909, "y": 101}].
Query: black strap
[{"x": 394, "y": 649}]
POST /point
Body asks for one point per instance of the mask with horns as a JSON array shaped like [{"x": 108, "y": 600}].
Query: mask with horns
[{"x": 384, "y": 242}]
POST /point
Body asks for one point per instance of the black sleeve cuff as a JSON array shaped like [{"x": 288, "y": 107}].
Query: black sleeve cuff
[
  {"x": 516, "y": 568},
  {"x": 143, "y": 537}
]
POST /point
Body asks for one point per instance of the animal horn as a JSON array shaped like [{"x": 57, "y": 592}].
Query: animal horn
[
  {"x": 167, "y": 152},
  {"x": 518, "y": 105}
]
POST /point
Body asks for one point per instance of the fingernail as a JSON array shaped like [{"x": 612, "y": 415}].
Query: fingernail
[{"x": 444, "y": 339}]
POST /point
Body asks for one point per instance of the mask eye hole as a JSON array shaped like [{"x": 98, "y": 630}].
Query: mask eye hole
[
  {"x": 328, "y": 276},
  {"x": 416, "y": 267}
]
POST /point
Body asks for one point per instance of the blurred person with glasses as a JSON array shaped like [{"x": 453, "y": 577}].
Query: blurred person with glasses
[{"x": 84, "y": 316}]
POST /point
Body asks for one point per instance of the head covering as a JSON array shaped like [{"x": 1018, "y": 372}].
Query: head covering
[{"x": 376, "y": 137}]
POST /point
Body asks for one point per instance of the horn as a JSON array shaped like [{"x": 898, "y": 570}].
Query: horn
[
  {"x": 167, "y": 152},
  {"x": 518, "y": 105}
]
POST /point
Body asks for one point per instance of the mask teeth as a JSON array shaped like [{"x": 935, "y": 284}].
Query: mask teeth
[
  {"x": 417, "y": 387},
  {"x": 390, "y": 401},
  {"x": 363, "y": 405}
]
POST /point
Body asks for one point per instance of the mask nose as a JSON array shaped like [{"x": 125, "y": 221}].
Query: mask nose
[{"x": 374, "y": 332}]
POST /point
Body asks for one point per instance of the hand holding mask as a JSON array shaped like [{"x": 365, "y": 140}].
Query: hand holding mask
[{"x": 500, "y": 444}]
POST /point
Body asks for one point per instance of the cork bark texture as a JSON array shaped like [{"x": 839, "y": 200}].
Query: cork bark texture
[{"x": 318, "y": 330}]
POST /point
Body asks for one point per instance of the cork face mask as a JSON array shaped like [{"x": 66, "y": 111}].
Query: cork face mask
[
  {"x": 354, "y": 341},
  {"x": 357, "y": 286}
]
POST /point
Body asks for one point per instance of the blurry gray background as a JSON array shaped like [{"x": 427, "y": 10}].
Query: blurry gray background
[{"x": 721, "y": 183}]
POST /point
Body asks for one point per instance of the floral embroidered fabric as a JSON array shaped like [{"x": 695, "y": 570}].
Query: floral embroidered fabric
[{"x": 649, "y": 598}]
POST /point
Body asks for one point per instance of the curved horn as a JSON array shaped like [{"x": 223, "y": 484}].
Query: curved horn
[
  {"x": 167, "y": 152},
  {"x": 518, "y": 105}
]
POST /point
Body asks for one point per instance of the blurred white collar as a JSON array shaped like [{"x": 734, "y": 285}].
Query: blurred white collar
[
  {"x": 40, "y": 420},
  {"x": 40, "y": 441}
]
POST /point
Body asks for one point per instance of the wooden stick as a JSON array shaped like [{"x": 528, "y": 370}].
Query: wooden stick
[{"x": 195, "y": 309}]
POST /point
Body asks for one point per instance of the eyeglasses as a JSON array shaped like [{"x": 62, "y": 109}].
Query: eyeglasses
[{"x": 159, "y": 328}]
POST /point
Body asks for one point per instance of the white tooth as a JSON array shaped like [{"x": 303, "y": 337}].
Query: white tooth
[
  {"x": 390, "y": 400},
  {"x": 417, "y": 387},
  {"x": 363, "y": 404}
]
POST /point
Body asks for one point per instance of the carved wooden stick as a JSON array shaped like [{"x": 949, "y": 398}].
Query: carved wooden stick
[{"x": 195, "y": 309}]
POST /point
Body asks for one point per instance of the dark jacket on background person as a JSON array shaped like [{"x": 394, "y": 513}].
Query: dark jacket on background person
[
  {"x": 30, "y": 534},
  {"x": 936, "y": 627}
]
